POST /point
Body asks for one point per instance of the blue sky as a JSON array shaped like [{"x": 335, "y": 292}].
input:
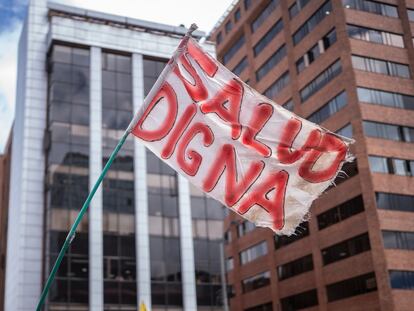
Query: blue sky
[{"x": 12, "y": 13}]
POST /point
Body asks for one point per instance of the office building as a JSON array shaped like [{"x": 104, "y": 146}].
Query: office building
[
  {"x": 347, "y": 65},
  {"x": 148, "y": 235}
]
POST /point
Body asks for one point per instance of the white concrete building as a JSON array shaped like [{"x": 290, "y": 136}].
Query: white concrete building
[{"x": 149, "y": 236}]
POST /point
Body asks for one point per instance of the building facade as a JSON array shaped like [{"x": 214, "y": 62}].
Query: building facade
[
  {"x": 4, "y": 207},
  {"x": 347, "y": 65},
  {"x": 148, "y": 235}
]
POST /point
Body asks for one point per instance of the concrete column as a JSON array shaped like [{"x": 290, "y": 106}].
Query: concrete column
[
  {"x": 187, "y": 247},
  {"x": 25, "y": 220},
  {"x": 95, "y": 168},
  {"x": 141, "y": 197}
]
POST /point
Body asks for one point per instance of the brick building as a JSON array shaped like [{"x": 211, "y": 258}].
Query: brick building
[{"x": 347, "y": 65}]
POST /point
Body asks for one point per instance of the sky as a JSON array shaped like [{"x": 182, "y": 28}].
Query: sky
[{"x": 12, "y": 12}]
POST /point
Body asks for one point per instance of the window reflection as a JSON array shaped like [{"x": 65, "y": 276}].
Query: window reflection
[{"x": 67, "y": 153}]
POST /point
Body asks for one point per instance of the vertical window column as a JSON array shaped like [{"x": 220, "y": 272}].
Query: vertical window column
[
  {"x": 95, "y": 168},
  {"x": 187, "y": 247},
  {"x": 141, "y": 196}
]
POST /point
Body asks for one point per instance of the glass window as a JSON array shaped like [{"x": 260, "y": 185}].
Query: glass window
[
  {"x": 278, "y": 85},
  {"x": 219, "y": 37},
  {"x": 312, "y": 22},
  {"x": 253, "y": 252},
  {"x": 321, "y": 80},
  {"x": 296, "y": 7},
  {"x": 385, "y": 98},
  {"x": 238, "y": 69},
  {"x": 268, "y": 37},
  {"x": 233, "y": 49},
  {"x": 393, "y": 201},
  {"x": 300, "y": 301},
  {"x": 295, "y": 267},
  {"x": 288, "y": 105},
  {"x": 245, "y": 227},
  {"x": 345, "y": 131},
  {"x": 263, "y": 307},
  {"x": 372, "y": 7},
  {"x": 264, "y": 14},
  {"x": 301, "y": 232},
  {"x": 382, "y": 130},
  {"x": 380, "y": 66},
  {"x": 228, "y": 26},
  {"x": 247, "y": 4},
  {"x": 257, "y": 281},
  {"x": 401, "y": 279},
  {"x": 340, "y": 212},
  {"x": 237, "y": 15},
  {"x": 410, "y": 13},
  {"x": 352, "y": 287},
  {"x": 329, "y": 109},
  {"x": 271, "y": 63},
  {"x": 398, "y": 240},
  {"x": 345, "y": 249},
  {"x": 376, "y": 36}
]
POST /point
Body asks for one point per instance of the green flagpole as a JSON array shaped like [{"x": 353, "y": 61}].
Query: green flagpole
[
  {"x": 148, "y": 99},
  {"x": 72, "y": 232}
]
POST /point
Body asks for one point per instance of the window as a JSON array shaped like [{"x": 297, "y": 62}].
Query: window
[
  {"x": 345, "y": 131},
  {"x": 268, "y": 37},
  {"x": 271, "y": 62},
  {"x": 385, "y": 98},
  {"x": 296, "y": 7},
  {"x": 256, "y": 281},
  {"x": 329, "y": 109},
  {"x": 389, "y": 131},
  {"x": 410, "y": 13},
  {"x": 278, "y": 85},
  {"x": 238, "y": 69},
  {"x": 253, "y": 252},
  {"x": 340, "y": 212},
  {"x": 237, "y": 15},
  {"x": 283, "y": 240},
  {"x": 247, "y": 4},
  {"x": 228, "y": 26},
  {"x": 312, "y": 22},
  {"x": 395, "y": 202},
  {"x": 345, "y": 249},
  {"x": 320, "y": 81},
  {"x": 295, "y": 267},
  {"x": 391, "y": 166},
  {"x": 245, "y": 227},
  {"x": 380, "y": 66},
  {"x": 264, "y": 307},
  {"x": 267, "y": 11},
  {"x": 352, "y": 287},
  {"x": 398, "y": 240},
  {"x": 207, "y": 217},
  {"x": 229, "y": 264},
  {"x": 227, "y": 236},
  {"x": 376, "y": 36},
  {"x": 219, "y": 37},
  {"x": 371, "y": 7},
  {"x": 314, "y": 52},
  {"x": 233, "y": 49},
  {"x": 67, "y": 168},
  {"x": 349, "y": 169},
  {"x": 288, "y": 105},
  {"x": 402, "y": 279},
  {"x": 300, "y": 301}
]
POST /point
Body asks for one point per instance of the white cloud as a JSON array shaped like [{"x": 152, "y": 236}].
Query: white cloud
[{"x": 8, "y": 64}]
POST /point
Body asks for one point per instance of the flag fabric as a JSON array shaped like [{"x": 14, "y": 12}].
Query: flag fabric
[{"x": 257, "y": 158}]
